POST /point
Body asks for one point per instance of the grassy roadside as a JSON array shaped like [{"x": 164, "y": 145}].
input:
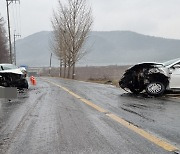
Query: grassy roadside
[{"x": 105, "y": 81}]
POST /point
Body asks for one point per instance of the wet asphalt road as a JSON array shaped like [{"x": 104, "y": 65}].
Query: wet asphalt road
[{"x": 47, "y": 119}]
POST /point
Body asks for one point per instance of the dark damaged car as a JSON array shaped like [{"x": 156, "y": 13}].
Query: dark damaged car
[
  {"x": 153, "y": 78},
  {"x": 12, "y": 76}
]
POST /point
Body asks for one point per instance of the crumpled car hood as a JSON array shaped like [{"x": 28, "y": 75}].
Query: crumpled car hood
[
  {"x": 137, "y": 77},
  {"x": 147, "y": 64},
  {"x": 15, "y": 71}
]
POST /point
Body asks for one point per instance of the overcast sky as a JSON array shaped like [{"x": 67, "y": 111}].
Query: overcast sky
[{"x": 151, "y": 17}]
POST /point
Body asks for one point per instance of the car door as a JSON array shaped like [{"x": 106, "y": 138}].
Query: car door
[{"x": 175, "y": 76}]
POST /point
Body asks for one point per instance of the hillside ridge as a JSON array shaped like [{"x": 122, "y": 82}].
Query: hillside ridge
[{"x": 104, "y": 48}]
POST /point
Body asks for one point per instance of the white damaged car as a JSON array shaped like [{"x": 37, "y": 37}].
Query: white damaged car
[
  {"x": 12, "y": 76},
  {"x": 153, "y": 78}
]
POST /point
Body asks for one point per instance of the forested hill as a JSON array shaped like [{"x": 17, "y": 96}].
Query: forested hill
[{"x": 104, "y": 48}]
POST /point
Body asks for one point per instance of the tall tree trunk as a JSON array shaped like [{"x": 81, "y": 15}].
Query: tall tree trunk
[
  {"x": 64, "y": 71},
  {"x": 73, "y": 72},
  {"x": 60, "y": 68},
  {"x": 65, "y": 66},
  {"x": 69, "y": 69}
]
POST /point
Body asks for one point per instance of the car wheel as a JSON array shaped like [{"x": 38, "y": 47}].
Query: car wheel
[{"x": 155, "y": 88}]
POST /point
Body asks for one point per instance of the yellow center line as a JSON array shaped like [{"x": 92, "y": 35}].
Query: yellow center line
[
  {"x": 143, "y": 133},
  {"x": 93, "y": 105},
  {"x": 156, "y": 140}
]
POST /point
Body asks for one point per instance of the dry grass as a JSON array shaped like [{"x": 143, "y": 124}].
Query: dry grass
[
  {"x": 98, "y": 74},
  {"x": 105, "y": 81}
]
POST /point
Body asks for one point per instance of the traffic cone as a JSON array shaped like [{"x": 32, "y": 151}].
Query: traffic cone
[
  {"x": 34, "y": 81},
  {"x": 31, "y": 79}
]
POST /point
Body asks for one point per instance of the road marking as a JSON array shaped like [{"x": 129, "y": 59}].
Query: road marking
[
  {"x": 144, "y": 134},
  {"x": 93, "y": 105},
  {"x": 156, "y": 140}
]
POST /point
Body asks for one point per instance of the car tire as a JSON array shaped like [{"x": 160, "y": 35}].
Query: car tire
[{"x": 155, "y": 88}]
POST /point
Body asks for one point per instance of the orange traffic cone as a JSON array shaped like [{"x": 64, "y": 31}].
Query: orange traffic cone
[
  {"x": 34, "y": 81},
  {"x": 31, "y": 78}
]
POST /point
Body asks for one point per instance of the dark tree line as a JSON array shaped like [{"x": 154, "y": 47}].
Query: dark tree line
[{"x": 4, "y": 52}]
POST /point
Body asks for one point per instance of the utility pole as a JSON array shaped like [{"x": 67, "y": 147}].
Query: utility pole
[
  {"x": 50, "y": 64},
  {"x": 15, "y": 46},
  {"x": 8, "y": 2}
]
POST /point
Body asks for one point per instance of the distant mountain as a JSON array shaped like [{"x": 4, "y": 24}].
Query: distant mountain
[{"x": 105, "y": 48}]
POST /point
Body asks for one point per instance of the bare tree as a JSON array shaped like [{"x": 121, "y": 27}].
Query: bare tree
[
  {"x": 71, "y": 24},
  {"x": 4, "y": 53}
]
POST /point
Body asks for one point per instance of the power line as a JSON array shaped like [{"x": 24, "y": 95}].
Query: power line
[
  {"x": 19, "y": 16},
  {"x": 12, "y": 13},
  {"x": 8, "y": 2},
  {"x": 15, "y": 35},
  {"x": 17, "y": 26}
]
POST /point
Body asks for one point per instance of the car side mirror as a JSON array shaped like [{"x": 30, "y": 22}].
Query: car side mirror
[{"x": 176, "y": 66}]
